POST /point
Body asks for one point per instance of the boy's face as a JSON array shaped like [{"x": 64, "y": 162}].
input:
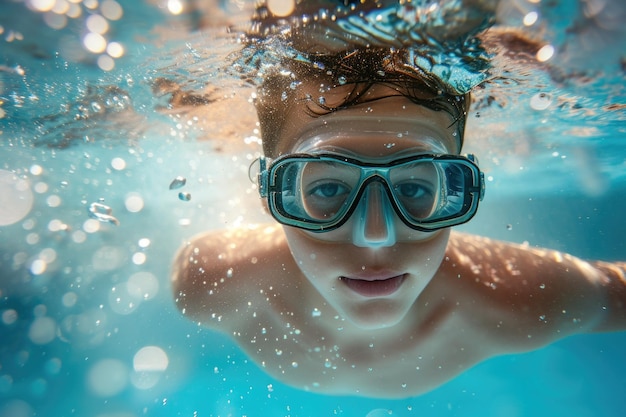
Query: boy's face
[{"x": 372, "y": 285}]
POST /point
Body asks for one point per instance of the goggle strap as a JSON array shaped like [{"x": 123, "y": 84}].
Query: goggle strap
[{"x": 262, "y": 177}]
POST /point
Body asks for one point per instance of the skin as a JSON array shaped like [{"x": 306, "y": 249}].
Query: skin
[{"x": 288, "y": 297}]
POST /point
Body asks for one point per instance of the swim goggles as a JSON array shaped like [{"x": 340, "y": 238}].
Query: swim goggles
[{"x": 320, "y": 192}]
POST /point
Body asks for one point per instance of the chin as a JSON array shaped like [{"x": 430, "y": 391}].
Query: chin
[{"x": 376, "y": 314}]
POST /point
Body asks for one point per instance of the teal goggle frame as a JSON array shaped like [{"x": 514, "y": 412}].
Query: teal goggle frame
[{"x": 454, "y": 195}]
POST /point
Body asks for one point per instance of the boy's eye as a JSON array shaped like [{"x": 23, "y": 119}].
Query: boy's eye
[
  {"x": 412, "y": 190},
  {"x": 417, "y": 199},
  {"x": 328, "y": 190},
  {"x": 324, "y": 199}
]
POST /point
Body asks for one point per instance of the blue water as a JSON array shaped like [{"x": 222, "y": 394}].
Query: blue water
[{"x": 88, "y": 326}]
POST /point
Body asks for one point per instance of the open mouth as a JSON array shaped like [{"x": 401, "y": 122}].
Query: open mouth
[{"x": 376, "y": 287}]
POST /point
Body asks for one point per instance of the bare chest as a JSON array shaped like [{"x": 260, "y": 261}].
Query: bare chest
[{"x": 394, "y": 366}]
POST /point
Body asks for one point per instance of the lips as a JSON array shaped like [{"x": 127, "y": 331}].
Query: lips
[{"x": 374, "y": 285}]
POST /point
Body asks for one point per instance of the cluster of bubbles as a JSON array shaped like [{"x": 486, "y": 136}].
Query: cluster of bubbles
[
  {"x": 104, "y": 377},
  {"x": 17, "y": 196},
  {"x": 527, "y": 11},
  {"x": 108, "y": 377},
  {"x": 177, "y": 183},
  {"x": 126, "y": 297},
  {"x": 97, "y": 16}
]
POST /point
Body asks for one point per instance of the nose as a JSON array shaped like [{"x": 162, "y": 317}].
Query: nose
[{"x": 373, "y": 224}]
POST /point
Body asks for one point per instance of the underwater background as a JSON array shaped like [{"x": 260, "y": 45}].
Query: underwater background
[{"x": 121, "y": 136}]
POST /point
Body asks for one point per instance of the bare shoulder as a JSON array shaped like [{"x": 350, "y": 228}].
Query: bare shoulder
[
  {"x": 219, "y": 274},
  {"x": 530, "y": 296}
]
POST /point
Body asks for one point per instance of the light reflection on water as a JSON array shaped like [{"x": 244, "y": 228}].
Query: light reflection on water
[{"x": 87, "y": 323}]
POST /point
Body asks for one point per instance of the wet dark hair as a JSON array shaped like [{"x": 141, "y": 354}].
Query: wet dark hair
[{"x": 355, "y": 72}]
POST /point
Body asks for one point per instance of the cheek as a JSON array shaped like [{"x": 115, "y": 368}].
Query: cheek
[
  {"x": 426, "y": 256},
  {"x": 297, "y": 245},
  {"x": 311, "y": 255}
]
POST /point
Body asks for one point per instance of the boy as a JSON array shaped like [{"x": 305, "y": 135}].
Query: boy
[{"x": 364, "y": 290}]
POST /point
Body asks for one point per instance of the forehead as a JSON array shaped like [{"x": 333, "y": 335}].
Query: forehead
[{"x": 384, "y": 126}]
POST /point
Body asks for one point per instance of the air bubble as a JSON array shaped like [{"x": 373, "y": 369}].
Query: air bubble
[
  {"x": 111, "y": 9},
  {"x": 16, "y": 198},
  {"x": 184, "y": 196},
  {"x": 53, "y": 366},
  {"x": 79, "y": 236},
  {"x": 9, "y": 316},
  {"x": 118, "y": 164},
  {"x": 42, "y": 5},
  {"x": 69, "y": 299},
  {"x": 134, "y": 202},
  {"x": 94, "y": 42},
  {"x": 115, "y": 50},
  {"x": 57, "y": 225},
  {"x": 96, "y": 107},
  {"x": 139, "y": 258},
  {"x": 32, "y": 238},
  {"x": 38, "y": 267},
  {"x": 90, "y": 226},
  {"x": 36, "y": 170},
  {"x": 102, "y": 213},
  {"x": 540, "y": 101},
  {"x": 178, "y": 182},
  {"x": 97, "y": 24},
  {"x": 545, "y": 53},
  {"x": 107, "y": 378},
  {"x": 53, "y": 201},
  {"x": 281, "y": 8},
  {"x": 15, "y": 408},
  {"x": 143, "y": 285},
  {"x": 150, "y": 358},
  {"x": 530, "y": 18},
  {"x": 48, "y": 255},
  {"x": 42, "y": 331}
]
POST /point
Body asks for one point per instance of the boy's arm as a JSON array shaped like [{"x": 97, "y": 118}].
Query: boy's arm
[
  {"x": 531, "y": 296},
  {"x": 219, "y": 278},
  {"x": 614, "y": 287}
]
